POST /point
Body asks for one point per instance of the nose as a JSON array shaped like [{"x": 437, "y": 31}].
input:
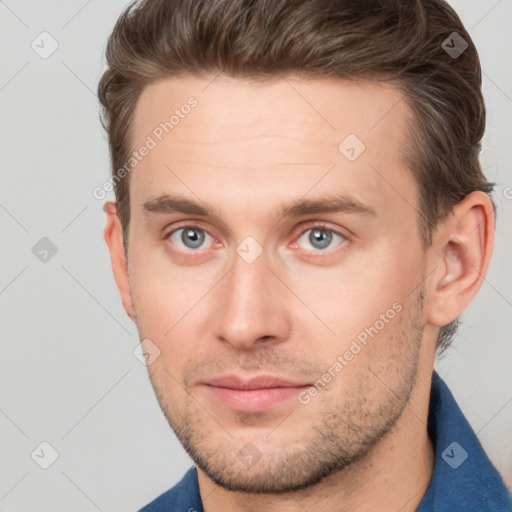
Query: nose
[{"x": 253, "y": 306}]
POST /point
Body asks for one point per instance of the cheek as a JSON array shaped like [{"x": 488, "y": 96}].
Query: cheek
[
  {"x": 172, "y": 304},
  {"x": 362, "y": 302},
  {"x": 160, "y": 286},
  {"x": 347, "y": 300}
]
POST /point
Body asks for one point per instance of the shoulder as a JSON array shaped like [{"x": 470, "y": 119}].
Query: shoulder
[
  {"x": 184, "y": 496},
  {"x": 464, "y": 477}
]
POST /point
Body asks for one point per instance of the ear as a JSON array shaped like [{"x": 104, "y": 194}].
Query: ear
[
  {"x": 461, "y": 252},
  {"x": 113, "y": 235}
]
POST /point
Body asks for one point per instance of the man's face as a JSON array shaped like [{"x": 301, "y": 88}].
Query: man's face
[{"x": 248, "y": 291}]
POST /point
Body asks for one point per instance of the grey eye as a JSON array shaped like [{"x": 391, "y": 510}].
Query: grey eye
[
  {"x": 319, "y": 238},
  {"x": 189, "y": 237}
]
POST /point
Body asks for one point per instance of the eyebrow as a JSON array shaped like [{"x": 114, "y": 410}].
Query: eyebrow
[{"x": 166, "y": 204}]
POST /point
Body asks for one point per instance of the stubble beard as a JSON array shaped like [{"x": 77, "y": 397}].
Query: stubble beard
[{"x": 341, "y": 434}]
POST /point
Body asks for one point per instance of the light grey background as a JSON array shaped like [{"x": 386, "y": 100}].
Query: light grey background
[{"x": 67, "y": 369}]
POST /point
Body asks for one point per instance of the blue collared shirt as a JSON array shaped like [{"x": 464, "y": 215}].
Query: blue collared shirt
[{"x": 464, "y": 479}]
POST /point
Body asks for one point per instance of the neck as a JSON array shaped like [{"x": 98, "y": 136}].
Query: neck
[{"x": 393, "y": 476}]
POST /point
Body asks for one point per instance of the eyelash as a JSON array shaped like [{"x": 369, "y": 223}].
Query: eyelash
[{"x": 321, "y": 226}]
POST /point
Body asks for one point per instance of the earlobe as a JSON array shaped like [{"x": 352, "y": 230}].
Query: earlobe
[
  {"x": 113, "y": 235},
  {"x": 462, "y": 250}
]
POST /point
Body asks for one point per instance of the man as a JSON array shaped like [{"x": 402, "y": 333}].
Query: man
[{"x": 300, "y": 219}]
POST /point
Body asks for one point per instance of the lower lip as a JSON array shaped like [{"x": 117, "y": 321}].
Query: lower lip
[{"x": 253, "y": 400}]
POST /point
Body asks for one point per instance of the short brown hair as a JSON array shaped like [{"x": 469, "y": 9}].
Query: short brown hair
[{"x": 397, "y": 41}]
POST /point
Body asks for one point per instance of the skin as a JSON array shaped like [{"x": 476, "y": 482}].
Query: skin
[{"x": 248, "y": 149}]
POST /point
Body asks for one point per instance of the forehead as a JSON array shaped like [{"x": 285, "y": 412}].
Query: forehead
[
  {"x": 321, "y": 109},
  {"x": 221, "y": 135}
]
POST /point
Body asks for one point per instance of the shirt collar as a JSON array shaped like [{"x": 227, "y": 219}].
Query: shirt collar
[{"x": 464, "y": 478}]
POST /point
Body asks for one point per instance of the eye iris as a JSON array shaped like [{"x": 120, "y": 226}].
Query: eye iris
[
  {"x": 192, "y": 238},
  {"x": 323, "y": 238}
]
